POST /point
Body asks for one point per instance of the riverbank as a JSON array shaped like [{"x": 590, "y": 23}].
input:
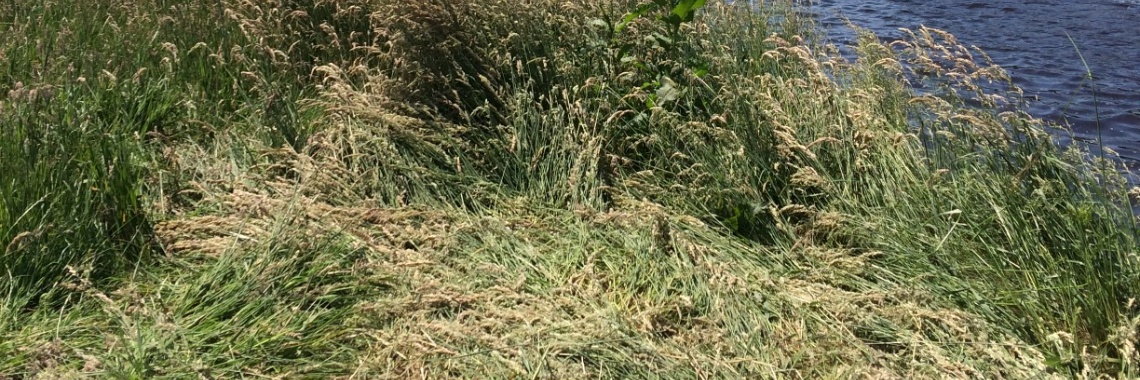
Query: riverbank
[{"x": 443, "y": 189}]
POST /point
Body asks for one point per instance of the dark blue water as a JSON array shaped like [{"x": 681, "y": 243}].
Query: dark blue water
[{"x": 1028, "y": 38}]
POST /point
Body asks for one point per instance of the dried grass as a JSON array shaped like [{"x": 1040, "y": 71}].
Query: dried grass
[{"x": 443, "y": 189}]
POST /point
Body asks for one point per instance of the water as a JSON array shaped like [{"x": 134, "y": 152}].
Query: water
[{"x": 1028, "y": 38}]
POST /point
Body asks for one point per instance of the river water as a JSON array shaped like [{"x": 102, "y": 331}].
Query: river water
[{"x": 1028, "y": 38}]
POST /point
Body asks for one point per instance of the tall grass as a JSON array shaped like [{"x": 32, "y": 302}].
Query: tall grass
[
  {"x": 499, "y": 189},
  {"x": 91, "y": 99}
]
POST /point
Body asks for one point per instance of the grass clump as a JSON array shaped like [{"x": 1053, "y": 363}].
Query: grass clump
[{"x": 546, "y": 189}]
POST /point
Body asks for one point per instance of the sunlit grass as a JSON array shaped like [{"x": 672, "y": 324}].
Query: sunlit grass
[{"x": 383, "y": 189}]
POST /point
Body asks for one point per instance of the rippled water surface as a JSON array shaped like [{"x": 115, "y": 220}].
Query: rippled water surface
[{"x": 1028, "y": 38}]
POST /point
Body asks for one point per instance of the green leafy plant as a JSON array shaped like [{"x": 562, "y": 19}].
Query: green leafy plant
[{"x": 660, "y": 73}]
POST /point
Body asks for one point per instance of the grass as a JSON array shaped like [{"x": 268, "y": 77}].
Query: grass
[{"x": 442, "y": 189}]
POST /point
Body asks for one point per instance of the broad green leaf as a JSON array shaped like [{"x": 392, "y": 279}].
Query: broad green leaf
[
  {"x": 682, "y": 8},
  {"x": 687, "y": 9},
  {"x": 629, "y": 17}
]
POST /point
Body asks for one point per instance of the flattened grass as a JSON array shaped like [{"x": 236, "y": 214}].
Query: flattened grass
[{"x": 341, "y": 189}]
